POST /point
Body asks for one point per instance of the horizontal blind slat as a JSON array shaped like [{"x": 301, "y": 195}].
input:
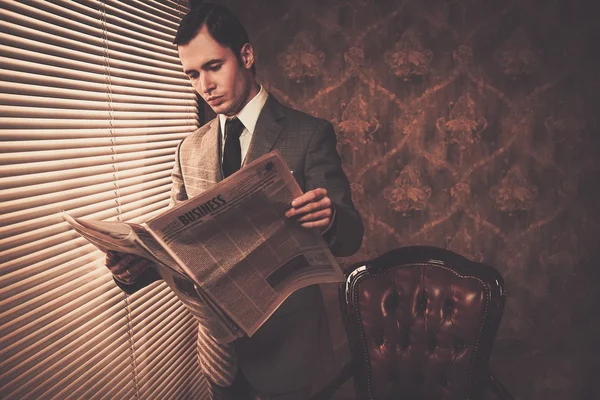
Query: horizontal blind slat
[
  {"x": 164, "y": 299},
  {"x": 38, "y": 150},
  {"x": 58, "y": 134},
  {"x": 116, "y": 392},
  {"x": 57, "y": 123},
  {"x": 55, "y": 307},
  {"x": 108, "y": 115},
  {"x": 33, "y": 243},
  {"x": 170, "y": 12},
  {"x": 28, "y": 92},
  {"x": 108, "y": 376},
  {"x": 115, "y": 357},
  {"x": 100, "y": 210},
  {"x": 180, "y": 386},
  {"x": 119, "y": 65},
  {"x": 78, "y": 61},
  {"x": 155, "y": 329},
  {"x": 21, "y": 254},
  {"x": 163, "y": 344},
  {"x": 121, "y": 18},
  {"x": 35, "y": 17},
  {"x": 106, "y": 197},
  {"x": 90, "y": 194},
  {"x": 141, "y": 15},
  {"x": 73, "y": 71},
  {"x": 91, "y": 15},
  {"x": 163, "y": 368},
  {"x": 57, "y": 185},
  {"x": 84, "y": 367},
  {"x": 20, "y": 285},
  {"x": 36, "y": 83},
  {"x": 60, "y": 38},
  {"x": 90, "y": 325},
  {"x": 82, "y": 163},
  {"x": 17, "y": 105}
]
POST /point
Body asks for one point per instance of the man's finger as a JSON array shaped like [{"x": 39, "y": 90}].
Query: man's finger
[
  {"x": 112, "y": 257},
  {"x": 315, "y": 216},
  {"x": 322, "y": 204},
  {"x": 321, "y": 224},
  {"x": 308, "y": 197},
  {"x": 121, "y": 264},
  {"x": 127, "y": 272}
]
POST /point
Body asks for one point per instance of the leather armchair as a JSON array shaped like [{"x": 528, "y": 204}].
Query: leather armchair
[{"x": 421, "y": 323}]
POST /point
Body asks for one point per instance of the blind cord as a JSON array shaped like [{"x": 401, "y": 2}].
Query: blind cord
[{"x": 113, "y": 141}]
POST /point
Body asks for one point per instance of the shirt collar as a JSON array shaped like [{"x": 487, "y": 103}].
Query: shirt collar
[{"x": 249, "y": 114}]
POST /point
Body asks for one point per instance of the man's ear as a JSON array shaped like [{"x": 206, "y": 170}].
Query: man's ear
[{"x": 247, "y": 55}]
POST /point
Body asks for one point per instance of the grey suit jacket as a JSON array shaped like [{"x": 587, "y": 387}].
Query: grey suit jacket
[{"x": 292, "y": 350}]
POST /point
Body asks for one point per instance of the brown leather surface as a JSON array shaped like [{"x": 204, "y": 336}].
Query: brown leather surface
[{"x": 422, "y": 322}]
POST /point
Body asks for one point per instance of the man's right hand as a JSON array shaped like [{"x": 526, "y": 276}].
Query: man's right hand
[{"x": 126, "y": 268}]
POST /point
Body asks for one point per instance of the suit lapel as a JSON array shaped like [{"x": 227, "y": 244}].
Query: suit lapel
[
  {"x": 210, "y": 153},
  {"x": 267, "y": 130}
]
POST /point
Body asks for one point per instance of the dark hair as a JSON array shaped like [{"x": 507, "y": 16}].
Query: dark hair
[{"x": 222, "y": 24}]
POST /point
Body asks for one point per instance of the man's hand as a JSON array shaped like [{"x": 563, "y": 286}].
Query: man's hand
[
  {"x": 126, "y": 267},
  {"x": 312, "y": 210}
]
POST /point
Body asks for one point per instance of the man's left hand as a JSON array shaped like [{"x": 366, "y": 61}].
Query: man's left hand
[{"x": 312, "y": 210}]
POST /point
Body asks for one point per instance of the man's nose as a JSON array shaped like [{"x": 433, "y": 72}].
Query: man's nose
[{"x": 206, "y": 84}]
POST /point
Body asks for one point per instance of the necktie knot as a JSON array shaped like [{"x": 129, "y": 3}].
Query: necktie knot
[{"x": 233, "y": 127}]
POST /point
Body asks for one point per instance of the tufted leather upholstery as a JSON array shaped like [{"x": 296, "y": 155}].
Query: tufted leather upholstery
[{"x": 421, "y": 322}]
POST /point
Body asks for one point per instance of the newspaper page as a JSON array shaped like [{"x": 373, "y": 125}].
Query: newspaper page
[
  {"x": 134, "y": 239},
  {"x": 122, "y": 237},
  {"x": 236, "y": 244}
]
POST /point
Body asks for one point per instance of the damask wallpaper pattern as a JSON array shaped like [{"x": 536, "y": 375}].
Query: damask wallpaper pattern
[{"x": 470, "y": 125}]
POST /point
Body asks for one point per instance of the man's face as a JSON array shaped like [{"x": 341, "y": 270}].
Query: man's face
[{"x": 216, "y": 74}]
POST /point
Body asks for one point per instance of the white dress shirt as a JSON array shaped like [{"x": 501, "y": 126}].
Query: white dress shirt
[{"x": 248, "y": 117}]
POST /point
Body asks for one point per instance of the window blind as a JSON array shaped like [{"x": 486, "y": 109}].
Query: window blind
[{"x": 93, "y": 104}]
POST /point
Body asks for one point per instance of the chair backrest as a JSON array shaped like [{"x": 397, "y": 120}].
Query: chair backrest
[{"x": 421, "y": 324}]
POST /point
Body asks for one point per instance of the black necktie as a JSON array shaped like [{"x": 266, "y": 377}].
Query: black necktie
[{"x": 232, "y": 154}]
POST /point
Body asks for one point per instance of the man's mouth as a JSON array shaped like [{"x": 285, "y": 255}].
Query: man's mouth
[{"x": 214, "y": 99}]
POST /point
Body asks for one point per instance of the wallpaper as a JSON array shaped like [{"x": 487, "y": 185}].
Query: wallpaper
[{"x": 469, "y": 125}]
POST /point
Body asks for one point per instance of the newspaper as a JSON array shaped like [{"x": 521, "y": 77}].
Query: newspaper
[{"x": 234, "y": 242}]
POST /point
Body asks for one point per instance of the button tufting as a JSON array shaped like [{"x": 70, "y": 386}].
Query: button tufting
[
  {"x": 444, "y": 380},
  {"x": 448, "y": 308},
  {"x": 390, "y": 303},
  {"x": 418, "y": 377},
  {"x": 392, "y": 376},
  {"x": 431, "y": 344},
  {"x": 459, "y": 344},
  {"x": 399, "y": 349},
  {"x": 405, "y": 340},
  {"x": 422, "y": 303}
]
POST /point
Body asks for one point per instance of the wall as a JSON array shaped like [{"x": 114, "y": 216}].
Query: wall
[{"x": 469, "y": 125}]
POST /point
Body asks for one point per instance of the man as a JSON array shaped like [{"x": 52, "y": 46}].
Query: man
[{"x": 288, "y": 355}]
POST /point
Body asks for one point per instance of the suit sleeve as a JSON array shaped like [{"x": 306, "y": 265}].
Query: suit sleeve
[
  {"x": 323, "y": 169},
  {"x": 178, "y": 192}
]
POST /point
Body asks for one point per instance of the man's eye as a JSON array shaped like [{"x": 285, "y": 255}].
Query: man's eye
[
  {"x": 193, "y": 76},
  {"x": 215, "y": 67}
]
